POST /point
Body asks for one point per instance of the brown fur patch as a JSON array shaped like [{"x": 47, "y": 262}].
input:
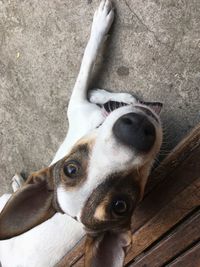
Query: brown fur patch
[
  {"x": 91, "y": 246},
  {"x": 100, "y": 203},
  {"x": 100, "y": 212},
  {"x": 79, "y": 156}
]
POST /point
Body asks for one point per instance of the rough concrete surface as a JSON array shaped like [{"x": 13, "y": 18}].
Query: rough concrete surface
[{"x": 153, "y": 51}]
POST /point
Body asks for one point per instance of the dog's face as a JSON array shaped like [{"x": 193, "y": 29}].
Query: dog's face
[
  {"x": 98, "y": 183},
  {"x": 110, "y": 166}
]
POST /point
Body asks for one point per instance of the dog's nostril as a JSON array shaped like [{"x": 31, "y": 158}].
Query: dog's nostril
[{"x": 135, "y": 130}]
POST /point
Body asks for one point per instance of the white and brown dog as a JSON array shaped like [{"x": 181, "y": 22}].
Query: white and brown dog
[{"x": 96, "y": 178}]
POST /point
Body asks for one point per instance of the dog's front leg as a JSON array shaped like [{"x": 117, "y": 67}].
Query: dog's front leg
[
  {"x": 83, "y": 116},
  {"x": 102, "y": 21}
]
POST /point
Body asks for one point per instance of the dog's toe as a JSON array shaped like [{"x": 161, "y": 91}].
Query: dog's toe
[
  {"x": 107, "y": 6},
  {"x": 103, "y": 19}
]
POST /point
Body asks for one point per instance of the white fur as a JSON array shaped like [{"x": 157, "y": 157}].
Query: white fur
[
  {"x": 46, "y": 244},
  {"x": 101, "y": 96}
]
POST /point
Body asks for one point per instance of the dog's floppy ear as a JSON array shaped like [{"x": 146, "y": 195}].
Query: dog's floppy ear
[
  {"x": 108, "y": 249},
  {"x": 29, "y": 206}
]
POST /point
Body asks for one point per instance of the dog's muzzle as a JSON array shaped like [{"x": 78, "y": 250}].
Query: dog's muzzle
[{"x": 135, "y": 130}]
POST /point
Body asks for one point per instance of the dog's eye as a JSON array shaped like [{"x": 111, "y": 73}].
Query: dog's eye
[
  {"x": 71, "y": 169},
  {"x": 119, "y": 206}
]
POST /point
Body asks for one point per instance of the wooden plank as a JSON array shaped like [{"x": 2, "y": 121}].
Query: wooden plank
[
  {"x": 166, "y": 218},
  {"x": 176, "y": 173},
  {"x": 182, "y": 176},
  {"x": 73, "y": 256},
  {"x": 178, "y": 155},
  {"x": 190, "y": 258},
  {"x": 184, "y": 235}
]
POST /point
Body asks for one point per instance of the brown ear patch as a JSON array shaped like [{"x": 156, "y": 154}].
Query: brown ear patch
[
  {"x": 91, "y": 249},
  {"x": 28, "y": 207},
  {"x": 107, "y": 249}
]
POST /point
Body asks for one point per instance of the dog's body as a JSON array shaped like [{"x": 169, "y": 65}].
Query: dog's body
[{"x": 46, "y": 244}]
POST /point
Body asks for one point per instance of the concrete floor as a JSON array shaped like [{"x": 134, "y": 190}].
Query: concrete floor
[{"x": 153, "y": 51}]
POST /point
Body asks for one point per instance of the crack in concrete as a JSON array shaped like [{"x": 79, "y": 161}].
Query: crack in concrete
[
  {"x": 171, "y": 47},
  {"x": 2, "y": 36},
  {"x": 144, "y": 25}
]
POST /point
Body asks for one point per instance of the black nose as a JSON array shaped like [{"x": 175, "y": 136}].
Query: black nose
[{"x": 135, "y": 130}]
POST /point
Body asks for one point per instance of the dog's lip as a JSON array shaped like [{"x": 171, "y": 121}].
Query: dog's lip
[
  {"x": 110, "y": 106},
  {"x": 148, "y": 112}
]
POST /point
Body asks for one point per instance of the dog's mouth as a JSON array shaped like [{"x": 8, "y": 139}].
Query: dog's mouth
[
  {"x": 110, "y": 106},
  {"x": 146, "y": 107}
]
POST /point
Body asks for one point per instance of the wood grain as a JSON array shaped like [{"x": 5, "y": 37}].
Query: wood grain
[
  {"x": 73, "y": 256},
  {"x": 182, "y": 176},
  {"x": 178, "y": 240},
  {"x": 166, "y": 218},
  {"x": 190, "y": 258},
  {"x": 178, "y": 155}
]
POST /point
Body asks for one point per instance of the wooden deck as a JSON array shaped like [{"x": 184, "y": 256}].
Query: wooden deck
[{"x": 166, "y": 224}]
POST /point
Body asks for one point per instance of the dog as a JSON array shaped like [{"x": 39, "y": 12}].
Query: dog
[{"x": 95, "y": 180}]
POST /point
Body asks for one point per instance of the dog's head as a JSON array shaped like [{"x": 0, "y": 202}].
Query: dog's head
[{"x": 99, "y": 183}]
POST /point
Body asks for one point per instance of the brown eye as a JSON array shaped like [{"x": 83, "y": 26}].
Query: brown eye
[
  {"x": 119, "y": 206},
  {"x": 71, "y": 169}
]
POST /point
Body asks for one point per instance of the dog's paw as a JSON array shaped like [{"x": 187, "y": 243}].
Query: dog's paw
[
  {"x": 17, "y": 182},
  {"x": 100, "y": 96},
  {"x": 102, "y": 20},
  {"x": 124, "y": 97}
]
